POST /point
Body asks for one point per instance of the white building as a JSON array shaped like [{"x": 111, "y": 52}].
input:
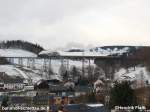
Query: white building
[{"x": 14, "y": 86}]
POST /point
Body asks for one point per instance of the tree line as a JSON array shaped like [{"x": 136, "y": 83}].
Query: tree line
[{"x": 20, "y": 44}]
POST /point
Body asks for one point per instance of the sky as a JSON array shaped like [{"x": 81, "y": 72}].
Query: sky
[{"x": 59, "y": 23}]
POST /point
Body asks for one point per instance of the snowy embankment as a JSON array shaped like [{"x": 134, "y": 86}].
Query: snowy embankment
[
  {"x": 10, "y": 70},
  {"x": 16, "y": 53},
  {"x": 13, "y": 71}
]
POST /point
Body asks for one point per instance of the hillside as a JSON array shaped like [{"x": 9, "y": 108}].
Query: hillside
[
  {"x": 19, "y": 44},
  {"x": 14, "y": 71},
  {"x": 16, "y": 53}
]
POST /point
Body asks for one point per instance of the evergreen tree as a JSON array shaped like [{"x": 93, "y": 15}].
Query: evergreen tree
[
  {"x": 122, "y": 95},
  {"x": 20, "y": 44},
  {"x": 75, "y": 74},
  {"x": 91, "y": 97},
  {"x": 5, "y": 102},
  {"x": 63, "y": 72}
]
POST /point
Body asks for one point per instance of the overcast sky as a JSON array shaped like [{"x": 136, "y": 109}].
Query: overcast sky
[{"x": 57, "y": 23}]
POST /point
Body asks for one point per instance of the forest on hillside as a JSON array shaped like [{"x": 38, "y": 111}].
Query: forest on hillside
[
  {"x": 20, "y": 44},
  {"x": 142, "y": 55}
]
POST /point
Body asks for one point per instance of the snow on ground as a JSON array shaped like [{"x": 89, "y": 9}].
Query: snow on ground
[
  {"x": 57, "y": 77},
  {"x": 22, "y": 73},
  {"x": 140, "y": 73},
  {"x": 9, "y": 70},
  {"x": 95, "y": 105},
  {"x": 33, "y": 76},
  {"x": 56, "y": 63},
  {"x": 16, "y": 53}
]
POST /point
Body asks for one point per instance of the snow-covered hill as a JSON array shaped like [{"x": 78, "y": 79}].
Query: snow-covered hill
[
  {"x": 97, "y": 51},
  {"x": 16, "y": 53}
]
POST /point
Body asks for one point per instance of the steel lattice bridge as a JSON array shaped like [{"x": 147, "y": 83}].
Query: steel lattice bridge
[{"x": 46, "y": 62}]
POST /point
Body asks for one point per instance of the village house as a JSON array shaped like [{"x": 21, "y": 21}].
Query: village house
[
  {"x": 82, "y": 90},
  {"x": 11, "y": 83}
]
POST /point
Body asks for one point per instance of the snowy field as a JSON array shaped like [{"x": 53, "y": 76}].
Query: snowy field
[
  {"x": 16, "y": 53},
  {"x": 12, "y": 70}
]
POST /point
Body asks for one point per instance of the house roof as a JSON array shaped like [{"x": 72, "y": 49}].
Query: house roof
[
  {"x": 83, "y": 89},
  {"x": 58, "y": 88}
]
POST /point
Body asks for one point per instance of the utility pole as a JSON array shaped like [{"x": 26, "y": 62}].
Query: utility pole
[{"x": 83, "y": 72}]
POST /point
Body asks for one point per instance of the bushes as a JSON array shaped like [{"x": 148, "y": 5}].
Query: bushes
[{"x": 3, "y": 61}]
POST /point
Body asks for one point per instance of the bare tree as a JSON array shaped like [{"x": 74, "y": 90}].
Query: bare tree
[{"x": 64, "y": 72}]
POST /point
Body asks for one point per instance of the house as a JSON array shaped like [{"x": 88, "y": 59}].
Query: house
[
  {"x": 69, "y": 85},
  {"x": 11, "y": 83},
  {"x": 41, "y": 84},
  {"x": 13, "y": 86},
  {"x": 29, "y": 88},
  {"x": 82, "y": 90},
  {"x": 60, "y": 90},
  {"x": 54, "y": 80}
]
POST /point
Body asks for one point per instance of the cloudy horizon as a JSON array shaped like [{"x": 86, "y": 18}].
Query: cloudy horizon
[{"x": 58, "y": 23}]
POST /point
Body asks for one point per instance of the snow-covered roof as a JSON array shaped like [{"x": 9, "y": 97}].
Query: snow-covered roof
[
  {"x": 95, "y": 105},
  {"x": 55, "y": 77},
  {"x": 69, "y": 84},
  {"x": 98, "y": 82}
]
